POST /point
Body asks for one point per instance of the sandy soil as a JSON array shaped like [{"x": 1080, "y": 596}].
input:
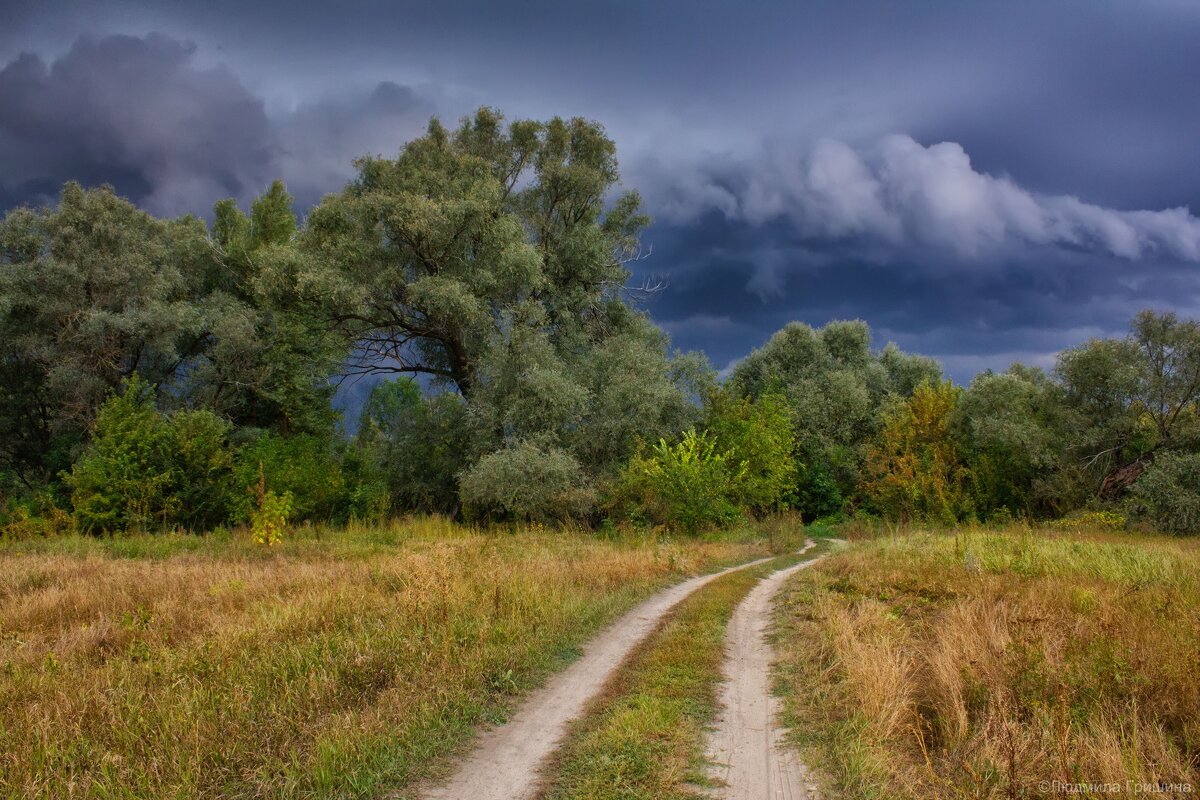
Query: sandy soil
[
  {"x": 750, "y": 761},
  {"x": 505, "y": 763}
]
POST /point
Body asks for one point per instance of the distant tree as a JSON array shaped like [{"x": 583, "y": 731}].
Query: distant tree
[
  {"x": 268, "y": 359},
  {"x": 914, "y": 471},
  {"x": 836, "y": 388},
  {"x": 1167, "y": 494},
  {"x": 1133, "y": 397},
  {"x": 95, "y": 290},
  {"x": 1011, "y": 431},
  {"x": 90, "y": 293}
]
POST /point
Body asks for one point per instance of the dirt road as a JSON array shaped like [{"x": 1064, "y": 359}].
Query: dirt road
[
  {"x": 506, "y": 760},
  {"x": 746, "y": 748}
]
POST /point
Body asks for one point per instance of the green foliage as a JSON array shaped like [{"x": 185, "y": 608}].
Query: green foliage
[
  {"x": 202, "y": 462},
  {"x": 306, "y": 466},
  {"x": 95, "y": 290},
  {"x": 1167, "y": 494},
  {"x": 689, "y": 486},
  {"x": 526, "y": 481},
  {"x": 144, "y": 469},
  {"x": 493, "y": 259},
  {"x": 914, "y": 468},
  {"x": 758, "y": 436},
  {"x": 817, "y": 491},
  {"x": 269, "y": 357},
  {"x": 123, "y": 480},
  {"x": 1131, "y": 397},
  {"x": 89, "y": 293},
  {"x": 36, "y": 515},
  {"x": 414, "y": 445},
  {"x": 836, "y": 388},
  {"x": 1011, "y": 432}
]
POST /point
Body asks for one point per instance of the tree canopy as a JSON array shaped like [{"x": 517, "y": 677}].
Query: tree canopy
[{"x": 178, "y": 372}]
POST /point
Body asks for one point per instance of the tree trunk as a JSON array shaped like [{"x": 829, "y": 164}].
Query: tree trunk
[{"x": 1117, "y": 482}]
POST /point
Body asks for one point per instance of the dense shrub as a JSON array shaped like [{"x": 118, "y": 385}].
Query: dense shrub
[
  {"x": 203, "y": 468},
  {"x": 307, "y": 465},
  {"x": 33, "y": 516},
  {"x": 757, "y": 437},
  {"x": 145, "y": 469},
  {"x": 526, "y": 481},
  {"x": 687, "y": 486},
  {"x": 1167, "y": 494},
  {"x": 412, "y": 447},
  {"x": 123, "y": 480}
]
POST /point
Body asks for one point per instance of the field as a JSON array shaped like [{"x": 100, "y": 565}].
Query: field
[
  {"x": 339, "y": 663},
  {"x": 357, "y": 662},
  {"x": 1010, "y": 663}
]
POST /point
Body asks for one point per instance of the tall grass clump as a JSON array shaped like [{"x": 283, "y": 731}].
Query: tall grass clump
[{"x": 986, "y": 663}]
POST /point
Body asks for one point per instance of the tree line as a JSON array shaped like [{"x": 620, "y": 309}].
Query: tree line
[{"x": 171, "y": 373}]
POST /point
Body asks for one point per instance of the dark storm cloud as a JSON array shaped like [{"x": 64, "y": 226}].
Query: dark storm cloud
[
  {"x": 901, "y": 198},
  {"x": 320, "y": 139},
  {"x": 1024, "y": 306},
  {"x": 134, "y": 112},
  {"x": 140, "y": 114},
  {"x": 982, "y": 181}
]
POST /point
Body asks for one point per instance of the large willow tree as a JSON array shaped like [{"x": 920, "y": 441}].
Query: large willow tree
[{"x": 493, "y": 259}]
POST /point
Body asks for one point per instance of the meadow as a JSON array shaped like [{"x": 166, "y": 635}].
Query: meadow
[
  {"x": 997, "y": 663},
  {"x": 342, "y": 662}
]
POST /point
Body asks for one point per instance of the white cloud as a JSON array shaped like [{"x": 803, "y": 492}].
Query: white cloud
[{"x": 901, "y": 194}]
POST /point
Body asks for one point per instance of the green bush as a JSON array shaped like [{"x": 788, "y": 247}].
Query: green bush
[
  {"x": 203, "y": 468},
  {"x": 308, "y": 466},
  {"x": 688, "y": 486},
  {"x": 144, "y": 469},
  {"x": 124, "y": 479},
  {"x": 33, "y": 516},
  {"x": 817, "y": 493},
  {"x": 1167, "y": 494},
  {"x": 757, "y": 436},
  {"x": 370, "y": 501},
  {"x": 526, "y": 481}
]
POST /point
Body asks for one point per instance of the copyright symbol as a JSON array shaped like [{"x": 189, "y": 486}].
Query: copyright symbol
[{"x": 1044, "y": 786}]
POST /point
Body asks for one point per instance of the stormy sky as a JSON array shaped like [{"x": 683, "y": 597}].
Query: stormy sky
[{"x": 982, "y": 182}]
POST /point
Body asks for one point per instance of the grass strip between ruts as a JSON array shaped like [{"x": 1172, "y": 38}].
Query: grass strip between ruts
[{"x": 645, "y": 736}]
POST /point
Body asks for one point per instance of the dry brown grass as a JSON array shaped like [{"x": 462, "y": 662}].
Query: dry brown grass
[
  {"x": 997, "y": 663},
  {"x": 339, "y": 664}
]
